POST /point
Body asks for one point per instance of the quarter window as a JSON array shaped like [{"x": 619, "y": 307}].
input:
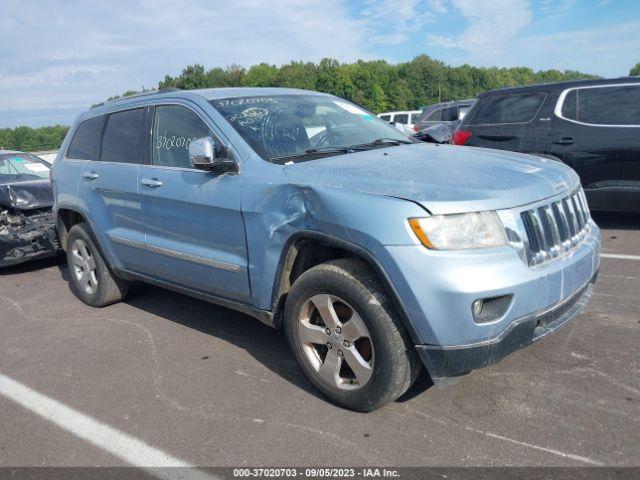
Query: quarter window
[
  {"x": 508, "y": 109},
  {"x": 173, "y": 130},
  {"x": 603, "y": 105},
  {"x": 450, "y": 114},
  {"x": 463, "y": 111},
  {"x": 124, "y": 139},
  {"x": 85, "y": 144},
  {"x": 386, "y": 118}
]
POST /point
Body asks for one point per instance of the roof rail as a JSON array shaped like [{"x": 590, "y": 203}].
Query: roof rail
[{"x": 137, "y": 95}]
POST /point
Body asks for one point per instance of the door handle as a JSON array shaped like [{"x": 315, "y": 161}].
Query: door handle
[
  {"x": 151, "y": 182},
  {"x": 90, "y": 175},
  {"x": 565, "y": 141}
]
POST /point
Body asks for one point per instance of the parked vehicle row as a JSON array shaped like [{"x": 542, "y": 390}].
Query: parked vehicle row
[
  {"x": 27, "y": 225},
  {"x": 376, "y": 253},
  {"x": 407, "y": 119},
  {"x": 591, "y": 125}
]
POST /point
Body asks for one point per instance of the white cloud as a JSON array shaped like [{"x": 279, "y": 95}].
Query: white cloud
[
  {"x": 490, "y": 28},
  {"x": 57, "y": 76},
  {"x": 437, "y": 6},
  {"x": 67, "y": 53},
  {"x": 552, "y": 7},
  {"x": 399, "y": 18}
]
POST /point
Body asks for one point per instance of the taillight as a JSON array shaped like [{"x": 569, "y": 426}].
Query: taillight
[
  {"x": 416, "y": 127},
  {"x": 460, "y": 137}
]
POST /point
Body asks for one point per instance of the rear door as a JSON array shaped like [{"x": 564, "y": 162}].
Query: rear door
[
  {"x": 508, "y": 122},
  {"x": 195, "y": 234},
  {"x": 109, "y": 187},
  {"x": 596, "y": 130}
]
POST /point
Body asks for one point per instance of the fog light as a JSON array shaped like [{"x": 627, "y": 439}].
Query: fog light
[
  {"x": 490, "y": 309},
  {"x": 477, "y": 307}
]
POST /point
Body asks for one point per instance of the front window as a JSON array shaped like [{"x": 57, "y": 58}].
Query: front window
[
  {"x": 290, "y": 128},
  {"x": 17, "y": 167},
  {"x": 174, "y": 128}
]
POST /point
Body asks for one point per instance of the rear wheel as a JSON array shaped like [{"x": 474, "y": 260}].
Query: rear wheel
[
  {"x": 347, "y": 337},
  {"x": 91, "y": 280}
]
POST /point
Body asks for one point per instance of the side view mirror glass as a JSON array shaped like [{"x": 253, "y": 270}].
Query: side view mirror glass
[{"x": 204, "y": 154}]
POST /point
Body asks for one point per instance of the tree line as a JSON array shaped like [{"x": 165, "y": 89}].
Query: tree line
[
  {"x": 32, "y": 139},
  {"x": 376, "y": 84}
]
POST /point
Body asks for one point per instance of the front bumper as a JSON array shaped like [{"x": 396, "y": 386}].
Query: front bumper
[
  {"x": 37, "y": 238},
  {"x": 437, "y": 290},
  {"x": 446, "y": 362}
]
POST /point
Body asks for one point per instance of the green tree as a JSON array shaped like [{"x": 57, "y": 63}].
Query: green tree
[
  {"x": 635, "y": 70},
  {"x": 32, "y": 139},
  {"x": 261, "y": 75}
]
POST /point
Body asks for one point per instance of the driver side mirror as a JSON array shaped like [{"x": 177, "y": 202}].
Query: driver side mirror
[{"x": 204, "y": 154}]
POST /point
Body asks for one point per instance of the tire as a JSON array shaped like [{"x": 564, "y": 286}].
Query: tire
[
  {"x": 90, "y": 278},
  {"x": 384, "y": 357}
]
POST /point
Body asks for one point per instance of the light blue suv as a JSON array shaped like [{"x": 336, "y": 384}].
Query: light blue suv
[{"x": 375, "y": 253}]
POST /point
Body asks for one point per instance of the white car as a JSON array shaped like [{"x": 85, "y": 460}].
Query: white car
[{"x": 406, "y": 118}]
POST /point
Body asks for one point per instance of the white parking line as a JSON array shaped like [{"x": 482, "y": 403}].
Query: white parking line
[
  {"x": 133, "y": 451},
  {"x": 620, "y": 256}
]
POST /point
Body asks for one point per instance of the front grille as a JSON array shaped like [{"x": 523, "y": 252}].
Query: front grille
[{"x": 555, "y": 229}]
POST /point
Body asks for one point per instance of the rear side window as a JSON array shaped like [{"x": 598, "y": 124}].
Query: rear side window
[
  {"x": 124, "y": 139},
  {"x": 603, "y": 105},
  {"x": 85, "y": 144},
  {"x": 402, "y": 118},
  {"x": 174, "y": 128},
  {"x": 386, "y": 117},
  {"x": 435, "y": 116},
  {"x": 415, "y": 117},
  {"x": 450, "y": 114},
  {"x": 508, "y": 109}
]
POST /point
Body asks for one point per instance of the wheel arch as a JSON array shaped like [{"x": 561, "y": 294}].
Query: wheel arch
[
  {"x": 306, "y": 249},
  {"x": 66, "y": 218}
]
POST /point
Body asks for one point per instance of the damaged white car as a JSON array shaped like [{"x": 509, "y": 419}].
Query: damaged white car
[{"x": 27, "y": 225}]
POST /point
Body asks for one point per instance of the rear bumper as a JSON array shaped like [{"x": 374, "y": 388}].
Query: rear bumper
[{"x": 446, "y": 362}]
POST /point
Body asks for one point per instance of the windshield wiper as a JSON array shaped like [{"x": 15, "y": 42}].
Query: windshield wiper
[
  {"x": 312, "y": 152},
  {"x": 329, "y": 150},
  {"x": 380, "y": 143}
]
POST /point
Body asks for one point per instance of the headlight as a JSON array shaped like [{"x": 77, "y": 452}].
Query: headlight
[{"x": 457, "y": 232}]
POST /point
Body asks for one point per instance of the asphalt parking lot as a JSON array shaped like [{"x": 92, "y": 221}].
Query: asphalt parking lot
[{"x": 213, "y": 387}]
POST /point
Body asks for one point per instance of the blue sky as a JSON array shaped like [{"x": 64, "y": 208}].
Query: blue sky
[{"x": 59, "y": 57}]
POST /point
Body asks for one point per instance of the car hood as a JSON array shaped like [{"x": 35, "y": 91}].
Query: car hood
[
  {"x": 442, "y": 178},
  {"x": 26, "y": 195}
]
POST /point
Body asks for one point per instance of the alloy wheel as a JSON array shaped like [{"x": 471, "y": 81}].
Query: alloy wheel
[
  {"x": 336, "y": 342},
  {"x": 84, "y": 266}
]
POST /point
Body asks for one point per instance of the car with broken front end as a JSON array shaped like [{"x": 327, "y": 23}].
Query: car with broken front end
[
  {"x": 377, "y": 254},
  {"x": 27, "y": 224}
]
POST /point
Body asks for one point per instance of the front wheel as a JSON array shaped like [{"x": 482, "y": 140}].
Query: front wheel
[{"x": 346, "y": 336}]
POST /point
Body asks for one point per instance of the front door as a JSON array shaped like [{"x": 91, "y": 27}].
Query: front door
[{"x": 194, "y": 227}]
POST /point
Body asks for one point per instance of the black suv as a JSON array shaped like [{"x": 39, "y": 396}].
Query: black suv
[{"x": 591, "y": 125}]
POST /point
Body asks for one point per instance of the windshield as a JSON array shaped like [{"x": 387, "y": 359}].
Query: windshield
[
  {"x": 22, "y": 167},
  {"x": 283, "y": 128}
]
